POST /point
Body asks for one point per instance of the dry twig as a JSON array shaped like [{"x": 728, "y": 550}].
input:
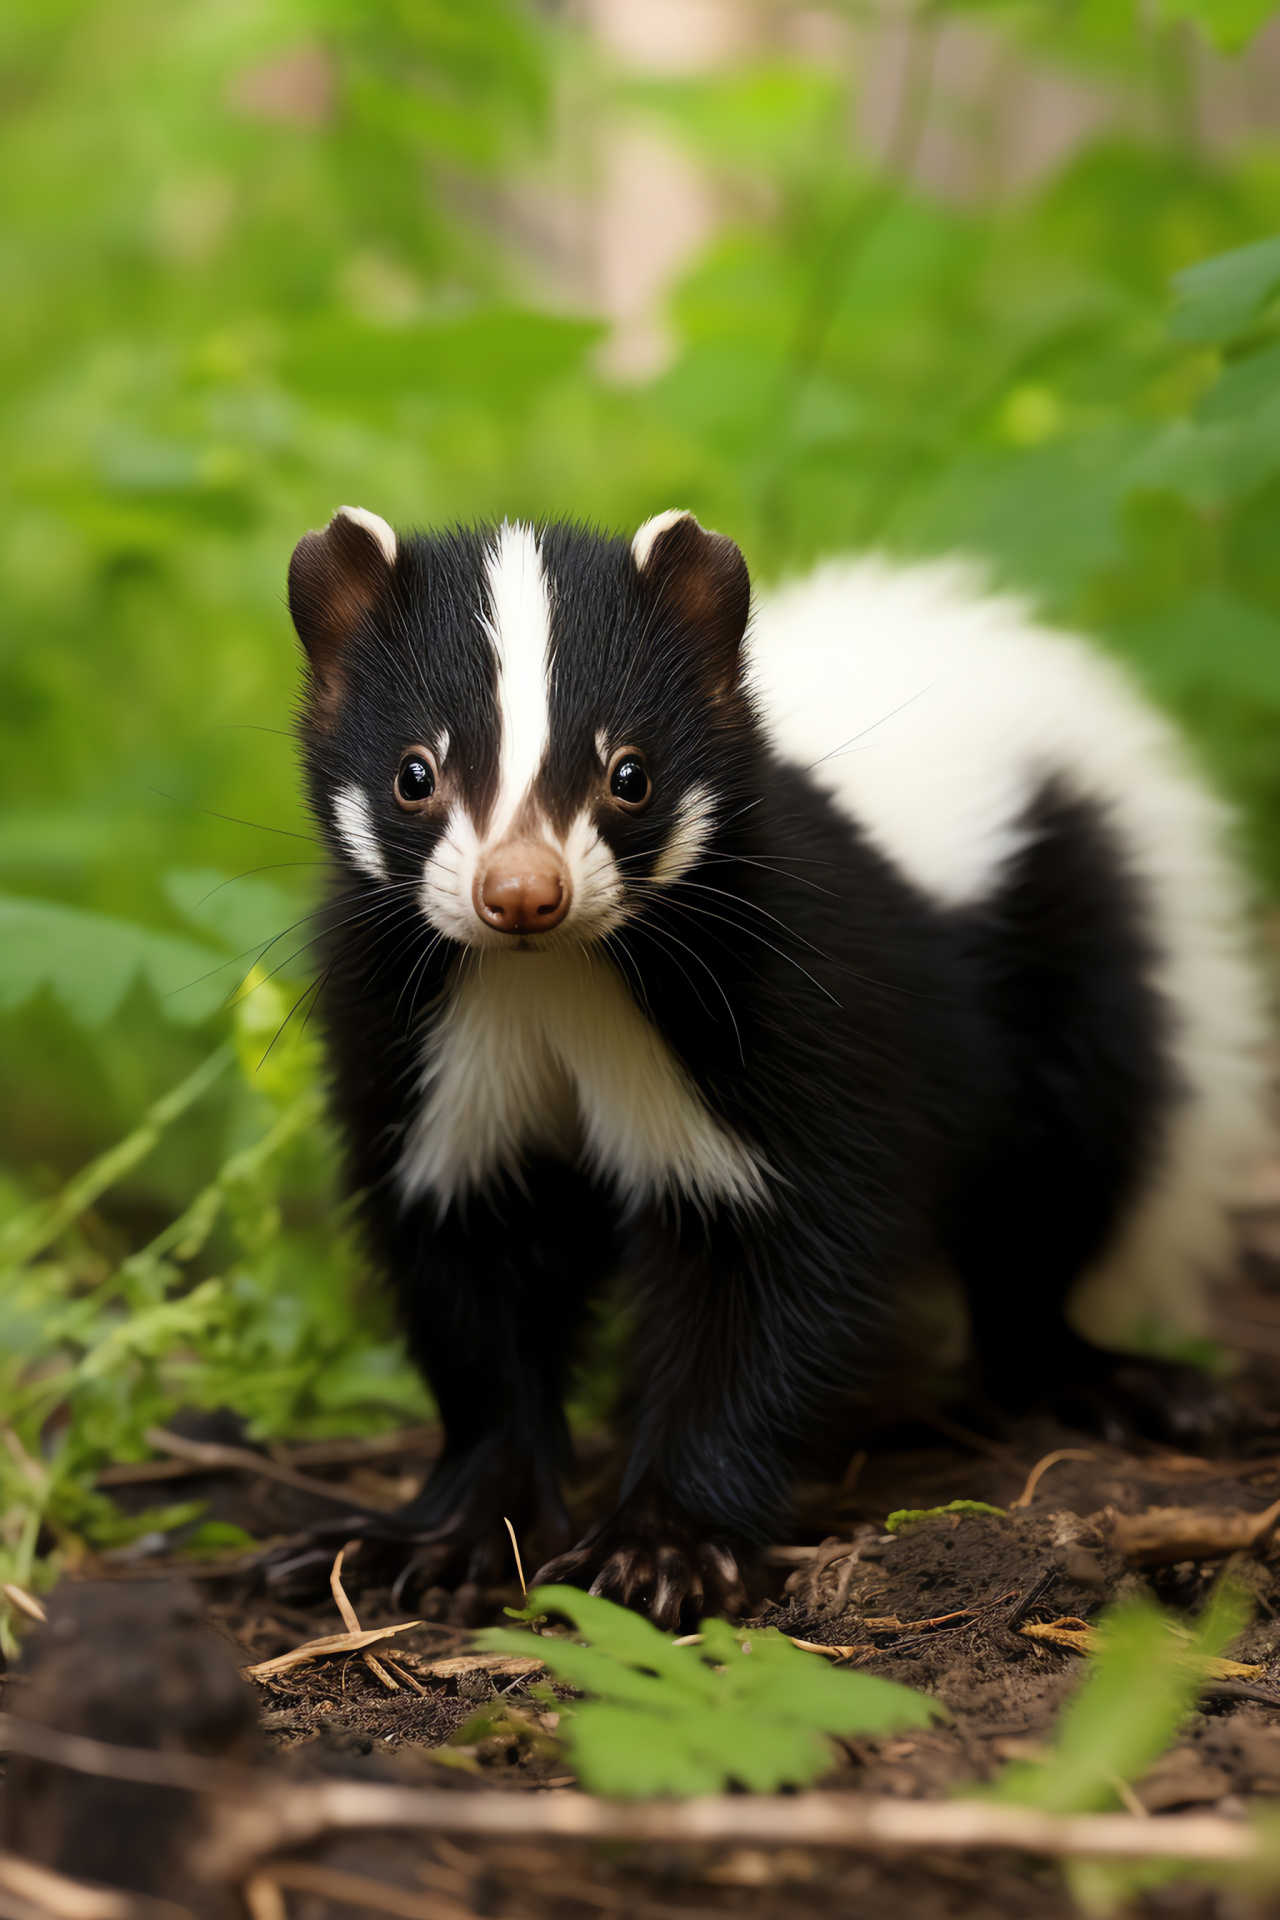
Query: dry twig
[
  {"x": 350, "y": 1889},
  {"x": 25, "y": 1602},
  {"x": 1041, "y": 1467},
  {"x": 209, "y": 1455},
  {"x": 39, "y": 1890},
  {"x": 319, "y": 1453},
  {"x": 241, "y": 1834},
  {"x": 254, "y": 1814},
  {"x": 510, "y": 1666},
  {"x": 328, "y": 1643},
  {"x": 1164, "y": 1535},
  {"x": 1079, "y": 1637},
  {"x": 352, "y": 1622}
]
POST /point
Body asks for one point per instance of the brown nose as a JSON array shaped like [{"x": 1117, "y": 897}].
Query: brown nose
[{"x": 523, "y": 890}]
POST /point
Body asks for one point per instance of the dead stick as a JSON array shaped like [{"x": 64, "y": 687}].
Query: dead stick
[
  {"x": 47, "y": 1892},
  {"x": 423, "y": 1441},
  {"x": 241, "y": 1834},
  {"x": 1041, "y": 1467},
  {"x": 356, "y": 1890},
  {"x": 259, "y": 1814},
  {"x": 208, "y": 1453},
  {"x": 351, "y": 1620}
]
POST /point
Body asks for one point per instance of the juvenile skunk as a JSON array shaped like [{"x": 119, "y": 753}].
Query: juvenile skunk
[{"x": 768, "y": 972}]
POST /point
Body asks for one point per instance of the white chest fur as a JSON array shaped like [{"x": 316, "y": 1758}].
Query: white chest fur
[{"x": 548, "y": 1053}]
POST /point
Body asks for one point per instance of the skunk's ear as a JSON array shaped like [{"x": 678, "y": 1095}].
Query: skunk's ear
[
  {"x": 337, "y": 579},
  {"x": 702, "y": 579}
]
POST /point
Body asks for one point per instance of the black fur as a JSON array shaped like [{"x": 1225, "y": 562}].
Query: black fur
[{"x": 983, "y": 1086}]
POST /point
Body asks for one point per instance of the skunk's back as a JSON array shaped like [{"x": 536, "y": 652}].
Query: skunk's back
[{"x": 933, "y": 713}]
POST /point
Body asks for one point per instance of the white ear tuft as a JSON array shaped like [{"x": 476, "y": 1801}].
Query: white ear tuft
[
  {"x": 642, "y": 545},
  {"x": 382, "y": 533}
]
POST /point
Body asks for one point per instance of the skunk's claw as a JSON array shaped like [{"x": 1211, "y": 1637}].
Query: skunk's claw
[
  {"x": 656, "y": 1564},
  {"x": 452, "y": 1534}
]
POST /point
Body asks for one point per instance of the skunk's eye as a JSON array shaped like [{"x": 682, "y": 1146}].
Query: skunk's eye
[
  {"x": 415, "y": 780},
  {"x": 628, "y": 778}
]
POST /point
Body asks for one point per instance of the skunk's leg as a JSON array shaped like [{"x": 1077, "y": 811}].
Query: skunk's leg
[
  {"x": 1088, "y": 1087},
  {"x": 737, "y": 1365},
  {"x": 1019, "y": 1260},
  {"x": 492, "y": 1298}
]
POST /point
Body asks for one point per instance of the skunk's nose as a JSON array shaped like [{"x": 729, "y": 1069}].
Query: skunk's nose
[{"x": 523, "y": 889}]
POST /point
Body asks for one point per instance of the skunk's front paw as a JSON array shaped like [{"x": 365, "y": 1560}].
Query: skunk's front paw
[
  {"x": 458, "y": 1523},
  {"x": 453, "y": 1534},
  {"x": 650, "y": 1557}
]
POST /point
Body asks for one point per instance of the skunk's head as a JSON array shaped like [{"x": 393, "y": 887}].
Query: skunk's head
[{"x": 530, "y": 730}]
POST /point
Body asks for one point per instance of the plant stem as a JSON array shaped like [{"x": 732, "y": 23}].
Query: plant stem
[{"x": 22, "y": 1239}]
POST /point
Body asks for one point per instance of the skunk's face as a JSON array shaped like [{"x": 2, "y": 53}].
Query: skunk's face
[{"x": 529, "y": 732}]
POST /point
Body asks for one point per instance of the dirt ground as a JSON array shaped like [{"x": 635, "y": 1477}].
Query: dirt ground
[{"x": 940, "y": 1606}]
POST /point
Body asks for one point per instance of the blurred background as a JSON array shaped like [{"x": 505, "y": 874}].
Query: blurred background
[{"x": 917, "y": 276}]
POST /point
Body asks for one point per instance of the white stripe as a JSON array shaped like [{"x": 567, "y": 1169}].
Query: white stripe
[
  {"x": 354, "y": 823},
  {"x": 695, "y": 818},
  {"x": 520, "y": 629}
]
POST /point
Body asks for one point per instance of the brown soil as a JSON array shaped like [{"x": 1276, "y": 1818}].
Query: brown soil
[{"x": 938, "y": 1605}]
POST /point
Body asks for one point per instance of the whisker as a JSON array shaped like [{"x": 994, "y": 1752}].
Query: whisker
[
  {"x": 309, "y": 988},
  {"x": 692, "y": 906},
  {"x": 209, "y": 814},
  {"x": 844, "y": 747},
  {"x": 710, "y": 971}
]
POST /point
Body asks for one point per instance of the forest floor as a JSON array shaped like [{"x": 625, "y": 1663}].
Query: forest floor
[{"x": 941, "y": 1605}]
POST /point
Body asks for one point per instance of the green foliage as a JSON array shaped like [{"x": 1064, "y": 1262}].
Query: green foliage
[
  {"x": 1140, "y": 1687},
  {"x": 907, "y": 1516},
  {"x": 737, "y": 1708},
  {"x": 1223, "y": 300},
  {"x": 220, "y": 1308},
  {"x": 90, "y": 962}
]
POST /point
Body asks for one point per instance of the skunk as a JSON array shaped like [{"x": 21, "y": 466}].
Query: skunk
[{"x": 767, "y": 971}]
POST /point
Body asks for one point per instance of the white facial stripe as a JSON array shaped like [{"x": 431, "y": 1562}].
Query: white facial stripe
[
  {"x": 520, "y": 629},
  {"x": 354, "y": 823},
  {"x": 382, "y": 533},
  {"x": 599, "y": 901},
  {"x": 695, "y": 819},
  {"x": 642, "y": 545},
  {"x": 446, "y": 882}
]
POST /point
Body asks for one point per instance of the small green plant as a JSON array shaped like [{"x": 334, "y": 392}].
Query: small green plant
[
  {"x": 1140, "y": 1687},
  {"x": 226, "y": 1306},
  {"x": 738, "y": 1707},
  {"x": 907, "y": 1516}
]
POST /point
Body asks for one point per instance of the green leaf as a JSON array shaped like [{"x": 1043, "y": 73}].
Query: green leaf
[
  {"x": 1227, "y": 24},
  {"x": 630, "y": 1755},
  {"x": 243, "y": 914},
  {"x": 1205, "y": 645},
  {"x": 1138, "y": 1689},
  {"x": 218, "y": 1536},
  {"x": 90, "y": 962},
  {"x": 742, "y": 1707},
  {"x": 1245, "y": 386},
  {"x": 1222, "y": 298}
]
